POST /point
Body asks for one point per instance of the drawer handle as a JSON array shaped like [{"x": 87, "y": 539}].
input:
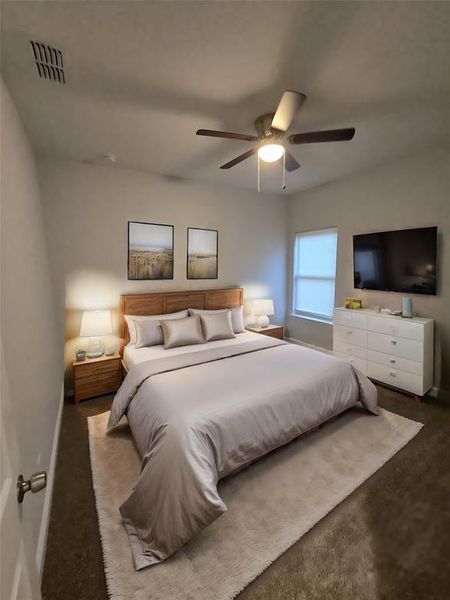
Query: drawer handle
[
  {"x": 349, "y": 332},
  {"x": 349, "y": 350},
  {"x": 392, "y": 361},
  {"x": 392, "y": 374},
  {"x": 394, "y": 342}
]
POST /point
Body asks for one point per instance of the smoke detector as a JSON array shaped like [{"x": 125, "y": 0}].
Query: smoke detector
[{"x": 49, "y": 62}]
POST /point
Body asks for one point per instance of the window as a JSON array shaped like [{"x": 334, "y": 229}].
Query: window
[{"x": 315, "y": 273}]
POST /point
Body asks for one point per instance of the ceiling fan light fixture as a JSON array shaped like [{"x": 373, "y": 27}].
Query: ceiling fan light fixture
[{"x": 271, "y": 152}]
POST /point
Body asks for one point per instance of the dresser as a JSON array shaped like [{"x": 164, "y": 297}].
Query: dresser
[{"x": 388, "y": 349}]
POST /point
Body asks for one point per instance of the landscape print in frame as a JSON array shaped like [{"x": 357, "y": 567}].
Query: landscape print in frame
[
  {"x": 150, "y": 250},
  {"x": 202, "y": 250}
]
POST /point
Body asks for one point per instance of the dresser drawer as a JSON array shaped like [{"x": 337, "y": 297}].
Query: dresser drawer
[
  {"x": 397, "y": 346},
  {"x": 89, "y": 389},
  {"x": 402, "y": 379},
  {"x": 394, "y": 326},
  {"x": 100, "y": 379},
  {"x": 275, "y": 333},
  {"x": 350, "y": 349},
  {"x": 98, "y": 368},
  {"x": 359, "y": 363},
  {"x": 396, "y": 362},
  {"x": 350, "y": 318},
  {"x": 358, "y": 337}
]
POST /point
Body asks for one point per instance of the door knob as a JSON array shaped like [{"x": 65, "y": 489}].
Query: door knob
[{"x": 36, "y": 483}]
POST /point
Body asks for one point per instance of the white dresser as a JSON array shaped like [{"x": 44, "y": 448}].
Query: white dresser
[{"x": 389, "y": 349}]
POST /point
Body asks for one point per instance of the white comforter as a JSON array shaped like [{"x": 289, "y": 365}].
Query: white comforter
[{"x": 199, "y": 416}]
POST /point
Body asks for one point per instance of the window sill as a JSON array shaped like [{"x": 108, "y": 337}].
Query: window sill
[{"x": 311, "y": 318}]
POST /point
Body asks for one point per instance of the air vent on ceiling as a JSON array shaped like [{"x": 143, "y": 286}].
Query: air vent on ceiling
[{"x": 49, "y": 62}]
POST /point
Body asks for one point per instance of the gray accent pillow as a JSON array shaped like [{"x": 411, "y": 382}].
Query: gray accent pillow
[
  {"x": 133, "y": 319},
  {"x": 217, "y": 326},
  {"x": 182, "y": 332},
  {"x": 237, "y": 316},
  {"x": 148, "y": 333}
]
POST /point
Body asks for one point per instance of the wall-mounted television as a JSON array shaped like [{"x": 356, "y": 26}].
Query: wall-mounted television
[{"x": 396, "y": 261}]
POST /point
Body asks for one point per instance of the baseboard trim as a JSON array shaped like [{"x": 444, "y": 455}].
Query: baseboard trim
[
  {"x": 45, "y": 519},
  {"x": 300, "y": 343}
]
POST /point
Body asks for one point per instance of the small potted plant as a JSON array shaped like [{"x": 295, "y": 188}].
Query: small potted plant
[{"x": 80, "y": 355}]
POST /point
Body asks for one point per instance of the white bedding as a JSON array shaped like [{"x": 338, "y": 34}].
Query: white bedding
[
  {"x": 198, "y": 416},
  {"x": 132, "y": 355}
]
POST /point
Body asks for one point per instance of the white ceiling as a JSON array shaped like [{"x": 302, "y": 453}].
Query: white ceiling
[{"x": 144, "y": 76}]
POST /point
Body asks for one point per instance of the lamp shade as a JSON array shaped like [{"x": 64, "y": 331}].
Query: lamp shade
[
  {"x": 95, "y": 323},
  {"x": 262, "y": 307}
]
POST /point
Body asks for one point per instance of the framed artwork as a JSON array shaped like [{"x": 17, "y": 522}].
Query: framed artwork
[
  {"x": 202, "y": 253},
  {"x": 150, "y": 250}
]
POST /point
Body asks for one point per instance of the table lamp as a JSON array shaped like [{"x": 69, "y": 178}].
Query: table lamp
[
  {"x": 95, "y": 323},
  {"x": 261, "y": 309}
]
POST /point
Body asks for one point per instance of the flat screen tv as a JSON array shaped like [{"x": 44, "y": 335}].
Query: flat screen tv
[{"x": 396, "y": 261}]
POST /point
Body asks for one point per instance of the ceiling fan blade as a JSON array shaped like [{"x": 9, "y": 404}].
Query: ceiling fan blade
[
  {"x": 239, "y": 159},
  {"x": 333, "y": 135},
  {"x": 227, "y": 134},
  {"x": 287, "y": 109},
  {"x": 290, "y": 164}
]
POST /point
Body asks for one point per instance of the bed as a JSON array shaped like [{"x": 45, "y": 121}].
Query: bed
[{"x": 200, "y": 413}]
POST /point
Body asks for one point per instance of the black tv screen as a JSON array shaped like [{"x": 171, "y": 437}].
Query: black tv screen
[{"x": 396, "y": 261}]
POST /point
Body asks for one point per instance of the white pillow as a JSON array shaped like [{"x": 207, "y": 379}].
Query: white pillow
[
  {"x": 237, "y": 316},
  {"x": 182, "y": 332},
  {"x": 217, "y": 326},
  {"x": 149, "y": 333},
  {"x": 131, "y": 321}
]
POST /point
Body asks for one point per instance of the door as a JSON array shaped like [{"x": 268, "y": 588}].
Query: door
[{"x": 18, "y": 573}]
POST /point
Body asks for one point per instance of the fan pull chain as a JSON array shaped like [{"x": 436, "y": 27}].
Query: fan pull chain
[
  {"x": 283, "y": 185},
  {"x": 259, "y": 175}
]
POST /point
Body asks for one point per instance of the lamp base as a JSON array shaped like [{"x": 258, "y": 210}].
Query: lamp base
[
  {"x": 262, "y": 321},
  {"x": 96, "y": 348},
  {"x": 94, "y": 354}
]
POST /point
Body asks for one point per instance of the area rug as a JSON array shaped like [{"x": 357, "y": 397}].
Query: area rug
[{"x": 271, "y": 504}]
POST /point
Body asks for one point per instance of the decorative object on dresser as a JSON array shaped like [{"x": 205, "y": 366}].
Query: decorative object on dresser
[
  {"x": 150, "y": 250},
  {"x": 97, "y": 376},
  {"x": 387, "y": 348},
  {"x": 353, "y": 303},
  {"x": 94, "y": 324},
  {"x": 407, "y": 307},
  {"x": 202, "y": 253},
  {"x": 276, "y": 331},
  {"x": 262, "y": 309}
]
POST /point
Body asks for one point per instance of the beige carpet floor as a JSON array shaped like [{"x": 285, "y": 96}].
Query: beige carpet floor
[{"x": 271, "y": 504}]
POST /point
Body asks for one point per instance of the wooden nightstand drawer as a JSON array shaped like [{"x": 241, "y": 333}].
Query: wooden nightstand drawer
[
  {"x": 97, "y": 376},
  {"x": 90, "y": 389},
  {"x": 98, "y": 368},
  {"x": 275, "y": 331}
]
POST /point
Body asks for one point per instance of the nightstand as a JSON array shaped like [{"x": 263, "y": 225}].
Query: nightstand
[
  {"x": 97, "y": 376},
  {"x": 276, "y": 331}
]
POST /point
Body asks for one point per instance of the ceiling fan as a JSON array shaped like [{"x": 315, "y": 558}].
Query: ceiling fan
[{"x": 271, "y": 127}]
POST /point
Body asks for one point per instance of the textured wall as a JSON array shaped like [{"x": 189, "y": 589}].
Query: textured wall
[
  {"x": 412, "y": 192},
  {"x": 87, "y": 208},
  {"x": 32, "y": 366}
]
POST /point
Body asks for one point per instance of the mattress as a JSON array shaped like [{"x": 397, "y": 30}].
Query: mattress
[{"x": 133, "y": 356}]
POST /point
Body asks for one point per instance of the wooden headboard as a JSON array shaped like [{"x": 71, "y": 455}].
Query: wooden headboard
[{"x": 164, "y": 303}]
